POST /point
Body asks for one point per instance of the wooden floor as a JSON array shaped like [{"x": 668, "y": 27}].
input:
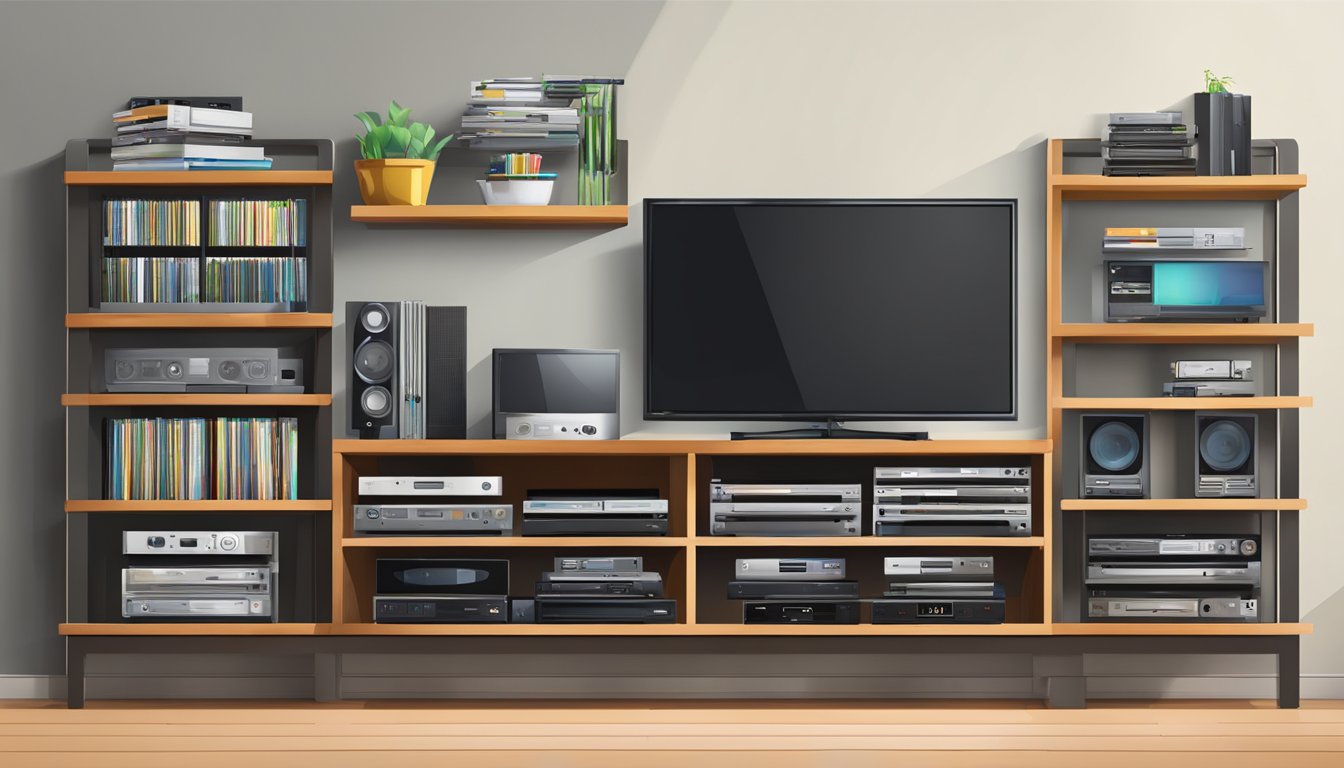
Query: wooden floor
[{"x": 644, "y": 735}]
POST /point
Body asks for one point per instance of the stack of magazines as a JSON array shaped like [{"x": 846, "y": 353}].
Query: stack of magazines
[
  {"x": 202, "y": 458},
  {"x": 162, "y": 135},
  {"x": 1147, "y": 144}
]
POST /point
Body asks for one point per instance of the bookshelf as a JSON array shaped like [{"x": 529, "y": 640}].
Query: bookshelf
[
  {"x": 303, "y": 172},
  {"x": 1078, "y": 203}
]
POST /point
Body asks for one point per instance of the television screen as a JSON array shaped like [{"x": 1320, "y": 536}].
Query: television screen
[{"x": 818, "y": 309}]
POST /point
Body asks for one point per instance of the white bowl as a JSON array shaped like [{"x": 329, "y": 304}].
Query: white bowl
[{"x": 516, "y": 191}]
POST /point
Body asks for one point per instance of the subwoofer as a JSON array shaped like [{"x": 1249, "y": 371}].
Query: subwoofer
[
  {"x": 374, "y": 388},
  {"x": 1225, "y": 454},
  {"x": 408, "y": 370},
  {"x": 1114, "y": 461}
]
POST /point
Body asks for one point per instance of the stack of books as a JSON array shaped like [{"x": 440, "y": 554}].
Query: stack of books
[
  {"x": 1147, "y": 144},
  {"x": 176, "y": 137},
  {"x": 519, "y": 113}
]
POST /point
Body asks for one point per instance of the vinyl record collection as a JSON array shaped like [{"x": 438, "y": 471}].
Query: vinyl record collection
[
  {"x": 202, "y": 458},
  {"x": 259, "y": 222}
]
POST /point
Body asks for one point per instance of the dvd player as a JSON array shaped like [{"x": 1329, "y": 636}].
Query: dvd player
[
  {"x": 430, "y": 609},
  {"x": 952, "y": 610},
  {"x": 790, "y": 568},
  {"x": 489, "y": 519},
  {"x": 788, "y": 590},
  {"x": 812, "y": 611},
  {"x": 1167, "y": 572},
  {"x": 1168, "y": 605},
  {"x": 636, "y": 584},
  {"x": 747, "y": 509},
  {"x": 952, "y": 520},
  {"x": 925, "y": 569},
  {"x": 595, "y": 517},
  {"x": 431, "y": 486},
  {"x": 1173, "y": 546}
]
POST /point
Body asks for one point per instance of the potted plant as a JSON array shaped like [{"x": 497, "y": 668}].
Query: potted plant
[{"x": 398, "y": 158}]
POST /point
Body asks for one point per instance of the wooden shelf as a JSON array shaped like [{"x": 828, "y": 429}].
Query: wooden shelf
[
  {"x": 1181, "y": 505},
  {"x": 212, "y": 505},
  {"x": 203, "y": 629},
  {"x": 1181, "y": 403},
  {"x": 1096, "y": 187},
  {"x": 171, "y": 399},
  {"x": 1174, "y": 629},
  {"x": 1182, "y": 333},
  {"x": 638, "y": 447},
  {"x": 198, "y": 320},
  {"x": 684, "y": 630},
  {"x": 543, "y": 542},
  {"x": 1029, "y": 542},
  {"x": 603, "y": 216},
  {"x": 196, "y": 178}
]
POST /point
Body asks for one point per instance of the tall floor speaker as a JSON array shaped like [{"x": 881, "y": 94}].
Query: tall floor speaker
[{"x": 407, "y": 375}]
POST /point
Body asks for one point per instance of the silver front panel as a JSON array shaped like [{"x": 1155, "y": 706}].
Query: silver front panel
[
  {"x": 570, "y": 576},
  {"x": 948, "y": 474},
  {"x": 432, "y": 486},
  {"x": 595, "y": 505},
  {"x": 942, "y": 589},
  {"x": 459, "y": 518},
  {"x": 1163, "y": 573},
  {"x": 1174, "y": 547},
  {"x": 1172, "y": 608},
  {"x": 143, "y": 580},
  {"x": 980, "y": 568},
  {"x": 725, "y": 492},
  {"x": 199, "y": 542},
  {"x": 790, "y": 568},
  {"x": 592, "y": 565},
  {"x": 952, "y": 494},
  {"x": 562, "y": 426},
  {"x": 1226, "y": 486},
  {"x": 203, "y": 606},
  {"x": 1212, "y": 369}
]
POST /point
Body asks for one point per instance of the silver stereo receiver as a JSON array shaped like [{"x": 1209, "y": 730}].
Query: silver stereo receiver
[
  {"x": 1104, "y": 604},
  {"x": 1172, "y": 546},
  {"x": 233, "y": 575},
  {"x": 1173, "y": 577},
  {"x": 1162, "y": 572},
  {"x": 232, "y": 369},
  {"x": 952, "y": 501},
  {"x": 431, "y": 486},
  {"x": 198, "y": 607},
  {"x": 434, "y": 518},
  {"x": 930, "y": 569},
  {"x": 595, "y": 517},
  {"x": 198, "y": 543},
  {"x": 747, "y": 509},
  {"x": 790, "y": 568}
]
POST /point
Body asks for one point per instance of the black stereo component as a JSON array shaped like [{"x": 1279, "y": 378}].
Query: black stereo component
[
  {"x": 442, "y": 576},
  {"x": 407, "y": 370},
  {"x": 440, "y": 610},
  {"x": 1225, "y": 454},
  {"x": 1153, "y": 291},
  {"x": 980, "y": 610},
  {"x": 811, "y": 611},
  {"x": 633, "y": 587},
  {"x": 787, "y": 590},
  {"x": 1115, "y": 455},
  {"x": 604, "y": 610}
]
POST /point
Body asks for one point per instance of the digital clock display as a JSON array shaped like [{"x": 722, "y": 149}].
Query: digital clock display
[{"x": 933, "y": 609}]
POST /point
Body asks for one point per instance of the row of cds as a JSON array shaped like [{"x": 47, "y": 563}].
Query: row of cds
[
  {"x": 202, "y": 458},
  {"x": 232, "y": 222},
  {"x": 151, "y": 222},
  {"x": 154, "y": 280}
]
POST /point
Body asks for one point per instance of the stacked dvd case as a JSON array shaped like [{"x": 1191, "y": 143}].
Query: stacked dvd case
[
  {"x": 1148, "y": 144},
  {"x": 202, "y": 458}
]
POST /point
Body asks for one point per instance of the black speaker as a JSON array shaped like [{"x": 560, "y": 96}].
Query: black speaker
[
  {"x": 1114, "y": 460},
  {"x": 408, "y": 370},
  {"x": 1225, "y": 454},
  {"x": 374, "y": 389}
]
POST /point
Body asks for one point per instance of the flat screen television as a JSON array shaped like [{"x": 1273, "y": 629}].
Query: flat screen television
[{"x": 812, "y": 310}]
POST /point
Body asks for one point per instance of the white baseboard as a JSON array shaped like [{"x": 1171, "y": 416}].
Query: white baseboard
[{"x": 1314, "y": 686}]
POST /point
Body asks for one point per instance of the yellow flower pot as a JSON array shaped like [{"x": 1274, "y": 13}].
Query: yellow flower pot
[{"x": 394, "y": 181}]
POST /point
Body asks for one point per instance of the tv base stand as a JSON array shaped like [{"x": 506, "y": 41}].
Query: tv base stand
[{"x": 832, "y": 431}]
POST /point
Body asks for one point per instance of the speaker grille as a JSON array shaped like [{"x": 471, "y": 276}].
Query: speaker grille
[{"x": 446, "y": 372}]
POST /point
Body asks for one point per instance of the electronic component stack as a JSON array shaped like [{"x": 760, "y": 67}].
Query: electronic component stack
[{"x": 1148, "y": 144}]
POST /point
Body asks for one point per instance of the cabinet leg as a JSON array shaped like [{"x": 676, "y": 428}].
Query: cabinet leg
[
  {"x": 326, "y": 677},
  {"x": 1060, "y": 681},
  {"x": 1290, "y": 674},
  {"x": 74, "y": 673}
]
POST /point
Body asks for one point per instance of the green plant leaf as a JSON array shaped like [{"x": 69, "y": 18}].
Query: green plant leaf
[
  {"x": 396, "y": 115},
  {"x": 398, "y": 140},
  {"x": 432, "y": 153},
  {"x": 416, "y": 149},
  {"x": 370, "y": 120},
  {"x": 421, "y": 131}
]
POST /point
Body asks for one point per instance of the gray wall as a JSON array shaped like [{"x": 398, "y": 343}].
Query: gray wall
[{"x": 955, "y": 99}]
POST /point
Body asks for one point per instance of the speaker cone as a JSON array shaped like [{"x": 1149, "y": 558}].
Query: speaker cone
[
  {"x": 374, "y": 361},
  {"x": 374, "y": 318},
  {"x": 1224, "y": 445},
  {"x": 1114, "y": 446},
  {"x": 230, "y": 370},
  {"x": 376, "y": 402},
  {"x": 257, "y": 369}
]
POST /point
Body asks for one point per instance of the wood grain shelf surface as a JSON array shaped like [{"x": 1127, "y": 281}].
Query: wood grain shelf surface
[
  {"x": 505, "y": 542},
  {"x": 198, "y": 320},
  {"x": 175, "y": 399},
  {"x": 1182, "y": 333},
  {"x": 692, "y": 630},
  {"x": 1181, "y": 403},
  {"x": 494, "y": 215},
  {"x": 1026, "y": 542},
  {"x": 1097, "y": 187},
  {"x": 197, "y": 178},
  {"x": 210, "y": 505},
  {"x": 201, "y": 629},
  {"x": 1181, "y": 505},
  {"x": 1179, "y": 629},
  {"x": 637, "y": 447}
]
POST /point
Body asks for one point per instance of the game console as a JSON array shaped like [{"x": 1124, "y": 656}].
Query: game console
[{"x": 787, "y": 509}]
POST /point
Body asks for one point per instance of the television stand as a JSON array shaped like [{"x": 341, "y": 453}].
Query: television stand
[{"x": 832, "y": 431}]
